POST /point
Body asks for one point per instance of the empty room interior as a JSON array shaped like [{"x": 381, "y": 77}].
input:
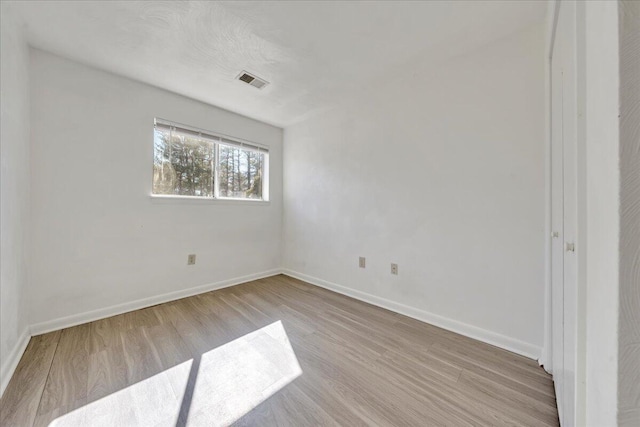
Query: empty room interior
[{"x": 302, "y": 213}]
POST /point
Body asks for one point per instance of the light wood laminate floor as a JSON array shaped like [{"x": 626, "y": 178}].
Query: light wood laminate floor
[{"x": 276, "y": 351}]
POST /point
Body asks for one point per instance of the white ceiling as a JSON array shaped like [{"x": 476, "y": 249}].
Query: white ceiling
[{"x": 314, "y": 54}]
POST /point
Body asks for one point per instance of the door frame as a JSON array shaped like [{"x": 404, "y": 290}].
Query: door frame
[{"x": 579, "y": 358}]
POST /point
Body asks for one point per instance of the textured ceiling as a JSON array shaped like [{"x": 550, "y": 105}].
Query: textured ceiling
[{"x": 314, "y": 54}]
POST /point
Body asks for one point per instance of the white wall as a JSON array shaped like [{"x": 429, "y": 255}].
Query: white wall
[
  {"x": 14, "y": 192},
  {"x": 441, "y": 171},
  {"x": 98, "y": 238}
]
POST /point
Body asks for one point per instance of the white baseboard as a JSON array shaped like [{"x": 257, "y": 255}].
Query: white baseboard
[
  {"x": 11, "y": 363},
  {"x": 511, "y": 344},
  {"x": 90, "y": 316}
]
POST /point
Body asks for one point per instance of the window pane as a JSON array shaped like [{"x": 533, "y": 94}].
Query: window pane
[
  {"x": 240, "y": 173},
  {"x": 182, "y": 164}
]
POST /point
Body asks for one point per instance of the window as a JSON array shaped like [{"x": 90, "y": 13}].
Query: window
[{"x": 189, "y": 162}]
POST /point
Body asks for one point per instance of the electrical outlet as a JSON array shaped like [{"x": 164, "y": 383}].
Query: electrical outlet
[
  {"x": 394, "y": 269},
  {"x": 362, "y": 262},
  {"x": 191, "y": 259}
]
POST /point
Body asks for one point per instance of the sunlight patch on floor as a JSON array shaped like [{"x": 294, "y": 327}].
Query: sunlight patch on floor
[{"x": 226, "y": 383}]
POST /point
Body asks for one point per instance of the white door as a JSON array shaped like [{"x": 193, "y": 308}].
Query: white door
[{"x": 564, "y": 211}]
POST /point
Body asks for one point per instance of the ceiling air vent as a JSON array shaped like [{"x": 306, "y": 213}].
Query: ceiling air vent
[{"x": 252, "y": 80}]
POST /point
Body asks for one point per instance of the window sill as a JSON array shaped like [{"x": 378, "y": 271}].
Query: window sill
[{"x": 161, "y": 199}]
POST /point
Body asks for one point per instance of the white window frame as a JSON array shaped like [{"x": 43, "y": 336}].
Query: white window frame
[{"x": 217, "y": 139}]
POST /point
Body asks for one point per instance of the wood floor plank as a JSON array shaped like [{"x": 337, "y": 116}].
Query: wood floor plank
[
  {"x": 345, "y": 388},
  {"x": 494, "y": 358},
  {"x": 291, "y": 318},
  {"x": 66, "y": 387},
  {"x": 20, "y": 401},
  {"x": 107, "y": 372},
  {"x": 44, "y": 419},
  {"x": 141, "y": 360},
  {"x": 540, "y": 390},
  {"x": 392, "y": 404},
  {"x": 423, "y": 361},
  {"x": 348, "y": 410},
  {"x": 315, "y": 356},
  {"x": 104, "y": 333},
  {"x": 292, "y": 407},
  {"x": 429, "y": 387},
  {"x": 519, "y": 402}
]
